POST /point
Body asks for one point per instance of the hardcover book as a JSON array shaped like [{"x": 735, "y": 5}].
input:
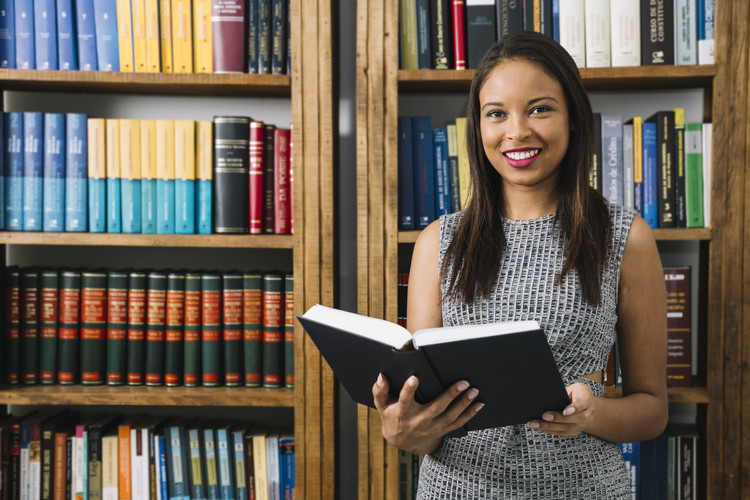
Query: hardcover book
[
  {"x": 97, "y": 174},
  {"x": 595, "y": 173},
  {"x": 705, "y": 17},
  {"x": 210, "y": 329},
  {"x": 679, "y": 329},
  {"x": 205, "y": 172},
  {"x": 481, "y": 30},
  {"x": 693, "y": 175},
  {"x": 408, "y": 33},
  {"x": 650, "y": 185},
  {"x": 459, "y": 33},
  {"x": 85, "y": 33},
  {"x": 114, "y": 175},
  {"x": 423, "y": 34},
  {"x": 282, "y": 200},
  {"x": 7, "y": 34},
  {"x": 25, "y": 35},
  {"x": 572, "y": 30},
  {"x": 29, "y": 325},
  {"x": 148, "y": 177},
  {"x": 597, "y": 24},
  {"x": 665, "y": 167},
  {"x": 273, "y": 330},
  {"x": 192, "y": 335},
  {"x": 203, "y": 36},
  {"x": 211, "y": 466},
  {"x": 679, "y": 167},
  {"x": 252, "y": 318},
  {"x": 278, "y": 37},
  {"x": 125, "y": 35},
  {"x": 153, "y": 41},
  {"x": 53, "y": 187},
  {"x": 612, "y": 159},
  {"x": 509, "y": 15},
  {"x": 265, "y": 18},
  {"x": 269, "y": 178},
  {"x": 48, "y": 316},
  {"x": 117, "y": 326},
  {"x": 138, "y": 10},
  {"x": 289, "y": 331},
  {"x": 174, "y": 329},
  {"x": 406, "y": 219},
  {"x": 182, "y": 37},
  {"x": 424, "y": 171},
  {"x": 232, "y": 331},
  {"x": 231, "y": 187},
  {"x": 184, "y": 184},
  {"x": 130, "y": 183},
  {"x": 686, "y": 32},
  {"x": 93, "y": 327},
  {"x": 442, "y": 177},
  {"x": 107, "y": 37},
  {"x": 441, "y": 31},
  {"x": 490, "y": 357},
  {"x": 76, "y": 172},
  {"x": 156, "y": 313},
  {"x": 33, "y": 161},
  {"x": 252, "y": 22},
  {"x": 657, "y": 32},
  {"x": 165, "y": 35},
  {"x": 12, "y": 324},
  {"x": 165, "y": 171},
  {"x": 68, "y": 343},
  {"x": 228, "y": 36},
  {"x": 255, "y": 196},
  {"x": 136, "y": 343},
  {"x": 13, "y": 156},
  {"x": 625, "y": 32},
  {"x": 45, "y": 29}
]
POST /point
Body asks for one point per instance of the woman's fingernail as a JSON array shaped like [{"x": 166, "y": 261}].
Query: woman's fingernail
[
  {"x": 472, "y": 394},
  {"x": 462, "y": 386},
  {"x": 412, "y": 381},
  {"x": 380, "y": 379},
  {"x": 548, "y": 417},
  {"x": 478, "y": 407},
  {"x": 569, "y": 410},
  {"x": 534, "y": 425}
]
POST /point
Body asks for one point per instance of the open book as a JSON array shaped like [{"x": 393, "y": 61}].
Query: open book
[{"x": 509, "y": 363}]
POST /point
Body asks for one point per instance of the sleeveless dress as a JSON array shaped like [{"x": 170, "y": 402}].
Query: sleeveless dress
[{"x": 515, "y": 461}]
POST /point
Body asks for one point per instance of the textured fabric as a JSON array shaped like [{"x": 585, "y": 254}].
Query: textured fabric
[{"x": 515, "y": 461}]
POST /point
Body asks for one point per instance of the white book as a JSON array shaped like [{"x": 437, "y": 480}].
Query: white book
[
  {"x": 707, "y": 134},
  {"x": 572, "y": 30},
  {"x": 273, "y": 467},
  {"x": 139, "y": 467},
  {"x": 706, "y": 33},
  {"x": 628, "y": 188},
  {"x": 110, "y": 469},
  {"x": 596, "y": 15},
  {"x": 686, "y": 32},
  {"x": 625, "y": 32}
]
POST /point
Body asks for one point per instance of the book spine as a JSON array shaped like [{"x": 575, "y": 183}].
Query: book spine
[
  {"x": 135, "y": 356},
  {"x": 13, "y": 156},
  {"x": 666, "y": 169},
  {"x": 33, "y": 160},
  {"x": 130, "y": 168},
  {"x": 289, "y": 331},
  {"x": 153, "y": 41},
  {"x": 686, "y": 32},
  {"x": 595, "y": 173},
  {"x": 12, "y": 334},
  {"x": 269, "y": 178},
  {"x": 178, "y": 474},
  {"x": 161, "y": 469},
  {"x": 210, "y": 329},
  {"x": 265, "y": 18},
  {"x": 679, "y": 167},
  {"x": 693, "y": 175},
  {"x": 184, "y": 143},
  {"x": 124, "y": 483},
  {"x": 481, "y": 30},
  {"x": 612, "y": 176},
  {"x": 138, "y": 9},
  {"x": 278, "y": 37},
  {"x": 202, "y": 36},
  {"x": 53, "y": 185},
  {"x": 61, "y": 464},
  {"x": 192, "y": 335},
  {"x": 196, "y": 460},
  {"x": 706, "y": 136},
  {"x": 174, "y": 330},
  {"x": 442, "y": 178},
  {"x": 232, "y": 334},
  {"x": 406, "y": 219},
  {"x": 67, "y": 55},
  {"x": 679, "y": 331},
  {"x": 165, "y": 36},
  {"x": 47, "y": 450},
  {"x": 408, "y": 34},
  {"x": 2, "y": 161},
  {"x": 14, "y": 459},
  {"x": 212, "y": 475},
  {"x": 231, "y": 166},
  {"x": 85, "y": 30},
  {"x": 165, "y": 176},
  {"x": 97, "y": 174},
  {"x": 139, "y": 468},
  {"x": 286, "y": 458},
  {"x": 282, "y": 186},
  {"x": 7, "y": 34},
  {"x": 250, "y": 466},
  {"x": 273, "y": 326},
  {"x": 148, "y": 177},
  {"x": 252, "y": 318},
  {"x": 156, "y": 309},
  {"x": 114, "y": 202},
  {"x": 657, "y": 33},
  {"x": 628, "y": 185},
  {"x": 93, "y": 327},
  {"x": 29, "y": 326},
  {"x": 25, "y": 35},
  {"x": 76, "y": 172},
  {"x": 424, "y": 171},
  {"x": 238, "y": 460},
  {"x": 34, "y": 470},
  {"x": 125, "y": 35},
  {"x": 107, "y": 35},
  {"x": 638, "y": 164},
  {"x": 423, "y": 34},
  {"x": 625, "y": 32},
  {"x": 48, "y": 317},
  {"x": 573, "y": 31},
  {"x": 110, "y": 467},
  {"x": 441, "y": 54},
  {"x": 204, "y": 171},
  {"x": 650, "y": 186},
  {"x": 117, "y": 326},
  {"x": 68, "y": 327},
  {"x": 255, "y": 195},
  {"x": 253, "y": 26},
  {"x": 226, "y": 483},
  {"x": 228, "y": 36},
  {"x": 597, "y": 21},
  {"x": 455, "y": 195},
  {"x": 705, "y": 17},
  {"x": 182, "y": 37},
  {"x": 459, "y": 33},
  {"x": 464, "y": 174}
]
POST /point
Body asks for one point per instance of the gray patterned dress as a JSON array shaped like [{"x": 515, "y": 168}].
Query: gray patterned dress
[{"x": 515, "y": 461}]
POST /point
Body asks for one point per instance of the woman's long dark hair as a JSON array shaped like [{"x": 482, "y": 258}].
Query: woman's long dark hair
[{"x": 582, "y": 212}]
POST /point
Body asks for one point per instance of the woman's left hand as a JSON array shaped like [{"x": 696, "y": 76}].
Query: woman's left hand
[{"x": 574, "y": 419}]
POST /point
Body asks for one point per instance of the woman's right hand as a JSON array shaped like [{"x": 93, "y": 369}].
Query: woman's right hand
[{"x": 418, "y": 428}]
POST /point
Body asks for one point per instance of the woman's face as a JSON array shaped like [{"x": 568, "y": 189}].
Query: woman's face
[{"x": 524, "y": 124}]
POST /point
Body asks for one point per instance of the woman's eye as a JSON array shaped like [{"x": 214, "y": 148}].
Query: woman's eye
[
  {"x": 496, "y": 114},
  {"x": 540, "y": 109}
]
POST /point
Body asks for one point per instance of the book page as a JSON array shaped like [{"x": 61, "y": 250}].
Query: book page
[
  {"x": 376, "y": 329},
  {"x": 430, "y": 336}
]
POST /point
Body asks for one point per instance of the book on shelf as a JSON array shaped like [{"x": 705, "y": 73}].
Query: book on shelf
[
  {"x": 148, "y": 177},
  {"x": 224, "y": 460},
  {"x": 509, "y": 14},
  {"x": 679, "y": 168},
  {"x": 693, "y": 175},
  {"x": 424, "y": 171},
  {"x": 650, "y": 203},
  {"x": 481, "y": 30},
  {"x": 597, "y": 27},
  {"x": 287, "y": 469},
  {"x": 29, "y": 334},
  {"x": 25, "y": 35},
  {"x": 151, "y": 33},
  {"x": 107, "y": 35},
  {"x": 196, "y": 461},
  {"x": 184, "y": 198},
  {"x": 45, "y": 31},
  {"x": 85, "y": 35},
  {"x": 406, "y": 216},
  {"x": 628, "y": 165},
  {"x": 192, "y": 333},
  {"x": 117, "y": 326},
  {"x": 359, "y": 348},
  {"x": 68, "y": 343},
  {"x": 130, "y": 176},
  {"x": 48, "y": 316},
  {"x": 33, "y": 170},
  {"x": 76, "y": 172},
  {"x": 279, "y": 36},
  {"x": 408, "y": 34},
  {"x": 211, "y": 461},
  {"x": 138, "y": 12},
  {"x": 8, "y": 35},
  {"x": 441, "y": 42},
  {"x": 423, "y": 34},
  {"x": 595, "y": 173},
  {"x": 93, "y": 327},
  {"x": 232, "y": 328},
  {"x": 97, "y": 175},
  {"x": 273, "y": 331},
  {"x": 442, "y": 173},
  {"x": 12, "y": 325},
  {"x": 182, "y": 37},
  {"x": 657, "y": 33},
  {"x": 686, "y": 32},
  {"x": 631, "y": 453},
  {"x": 156, "y": 309},
  {"x": 210, "y": 353},
  {"x": 204, "y": 177},
  {"x": 260, "y": 463},
  {"x": 202, "y": 36},
  {"x": 124, "y": 21},
  {"x": 572, "y": 30},
  {"x": 705, "y": 16},
  {"x": 459, "y": 33},
  {"x": 679, "y": 329},
  {"x": 252, "y": 290},
  {"x": 231, "y": 170},
  {"x": 707, "y": 137},
  {"x": 136, "y": 340},
  {"x": 13, "y": 156},
  {"x": 165, "y": 36},
  {"x": 165, "y": 176},
  {"x": 282, "y": 200},
  {"x": 289, "y": 331},
  {"x": 625, "y": 32},
  {"x": 612, "y": 159},
  {"x": 228, "y": 36},
  {"x": 255, "y": 173},
  {"x": 269, "y": 178},
  {"x": 114, "y": 176},
  {"x": 453, "y": 176},
  {"x": 665, "y": 179},
  {"x": 174, "y": 329}
]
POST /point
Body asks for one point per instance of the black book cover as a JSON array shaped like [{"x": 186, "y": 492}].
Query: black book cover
[
  {"x": 665, "y": 167},
  {"x": 441, "y": 34},
  {"x": 657, "y": 32},
  {"x": 679, "y": 176},
  {"x": 595, "y": 174},
  {"x": 423, "y": 34},
  {"x": 481, "y": 31},
  {"x": 509, "y": 17},
  {"x": 231, "y": 174}
]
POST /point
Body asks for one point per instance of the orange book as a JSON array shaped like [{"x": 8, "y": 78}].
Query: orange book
[
  {"x": 182, "y": 37},
  {"x": 202, "y": 44},
  {"x": 123, "y": 451},
  {"x": 165, "y": 33}
]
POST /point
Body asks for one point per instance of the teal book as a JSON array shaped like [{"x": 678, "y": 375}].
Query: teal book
[
  {"x": 131, "y": 205},
  {"x": 33, "y": 159},
  {"x": 178, "y": 473},
  {"x": 76, "y": 172},
  {"x": 184, "y": 201},
  {"x": 130, "y": 175},
  {"x": 165, "y": 206},
  {"x": 148, "y": 176},
  {"x": 53, "y": 215},
  {"x": 97, "y": 174},
  {"x": 13, "y": 156},
  {"x": 114, "y": 174},
  {"x": 225, "y": 461},
  {"x": 204, "y": 194},
  {"x": 184, "y": 206}
]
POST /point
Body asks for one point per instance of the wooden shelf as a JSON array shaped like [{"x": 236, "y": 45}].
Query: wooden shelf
[
  {"x": 630, "y": 78},
  {"x": 204, "y": 84},
  {"x": 676, "y": 394},
  {"x": 144, "y": 396},
  {"x": 148, "y": 240},
  {"x": 676, "y": 234}
]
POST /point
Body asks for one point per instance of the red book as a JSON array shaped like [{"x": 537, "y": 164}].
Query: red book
[
  {"x": 269, "y": 179},
  {"x": 282, "y": 184},
  {"x": 257, "y": 129},
  {"x": 291, "y": 180},
  {"x": 679, "y": 353},
  {"x": 12, "y": 347},
  {"x": 459, "y": 30},
  {"x": 228, "y": 34}
]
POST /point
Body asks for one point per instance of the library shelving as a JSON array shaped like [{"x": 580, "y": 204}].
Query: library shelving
[{"x": 722, "y": 331}]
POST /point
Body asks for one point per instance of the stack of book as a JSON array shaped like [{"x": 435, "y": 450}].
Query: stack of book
[
  {"x": 172, "y": 36},
  {"x": 156, "y": 328}
]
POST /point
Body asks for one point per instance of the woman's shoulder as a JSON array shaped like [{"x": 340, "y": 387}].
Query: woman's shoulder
[
  {"x": 449, "y": 222},
  {"x": 621, "y": 217}
]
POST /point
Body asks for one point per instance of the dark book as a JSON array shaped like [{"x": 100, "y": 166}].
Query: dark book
[
  {"x": 250, "y": 462},
  {"x": 14, "y": 460},
  {"x": 48, "y": 304},
  {"x": 93, "y": 327},
  {"x": 687, "y": 466},
  {"x": 228, "y": 36},
  {"x": 62, "y": 419},
  {"x": 210, "y": 329},
  {"x": 269, "y": 178},
  {"x": 509, "y": 17},
  {"x": 232, "y": 320},
  {"x": 197, "y": 461},
  {"x": 117, "y": 326},
  {"x": 273, "y": 330},
  {"x": 136, "y": 343},
  {"x": 252, "y": 318},
  {"x": 282, "y": 197},
  {"x": 265, "y": 40},
  {"x": 491, "y": 357},
  {"x": 289, "y": 331},
  {"x": 29, "y": 326},
  {"x": 481, "y": 29},
  {"x": 12, "y": 341},
  {"x": 406, "y": 219},
  {"x": 68, "y": 334},
  {"x": 253, "y": 20},
  {"x": 174, "y": 329},
  {"x": 665, "y": 168},
  {"x": 654, "y": 467},
  {"x": 595, "y": 173},
  {"x": 231, "y": 164},
  {"x": 680, "y": 195},
  {"x": 278, "y": 37},
  {"x": 177, "y": 457},
  {"x": 424, "y": 171},
  {"x": 423, "y": 34},
  {"x": 679, "y": 329},
  {"x": 441, "y": 34},
  {"x": 156, "y": 312},
  {"x": 657, "y": 32},
  {"x": 191, "y": 365}
]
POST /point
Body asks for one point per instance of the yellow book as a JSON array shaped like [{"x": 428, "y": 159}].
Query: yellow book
[
  {"x": 125, "y": 35},
  {"x": 184, "y": 173},
  {"x": 148, "y": 176},
  {"x": 637, "y": 149},
  {"x": 114, "y": 208},
  {"x": 202, "y": 45},
  {"x": 165, "y": 34},
  {"x": 97, "y": 149},
  {"x": 165, "y": 175},
  {"x": 204, "y": 164},
  {"x": 182, "y": 37},
  {"x": 110, "y": 473},
  {"x": 464, "y": 172},
  {"x": 139, "y": 35},
  {"x": 130, "y": 149},
  {"x": 151, "y": 19},
  {"x": 260, "y": 465}
]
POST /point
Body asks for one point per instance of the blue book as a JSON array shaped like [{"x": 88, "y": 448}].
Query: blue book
[
  {"x": 7, "y": 34},
  {"x": 148, "y": 205},
  {"x": 225, "y": 460},
  {"x": 76, "y": 172},
  {"x": 33, "y": 160},
  {"x": 114, "y": 174},
  {"x": 53, "y": 218},
  {"x": 442, "y": 176},
  {"x": 45, "y": 29},
  {"x": 424, "y": 171},
  {"x": 2, "y": 171},
  {"x": 13, "y": 156},
  {"x": 423, "y": 34},
  {"x": 161, "y": 464},
  {"x": 649, "y": 185},
  {"x": 238, "y": 447},
  {"x": 107, "y": 42},
  {"x": 25, "y": 52},
  {"x": 212, "y": 483},
  {"x": 130, "y": 198},
  {"x": 97, "y": 175},
  {"x": 177, "y": 470},
  {"x": 286, "y": 463},
  {"x": 631, "y": 452},
  {"x": 556, "y": 20},
  {"x": 654, "y": 460},
  {"x": 612, "y": 159},
  {"x": 165, "y": 206},
  {"x": 406, "y": 219},
  {"x": 67, "y": 54},
  {"x": 253, "y": 29},
  {"x": 278, "y": 36},
  {"x": 86, "y": 35}
]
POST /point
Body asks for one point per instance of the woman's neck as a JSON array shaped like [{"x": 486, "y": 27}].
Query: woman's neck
[{"x": 528, "y": 204}]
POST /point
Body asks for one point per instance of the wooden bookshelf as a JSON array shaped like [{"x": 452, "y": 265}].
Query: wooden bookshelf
[{"x": 148, "y": 240}]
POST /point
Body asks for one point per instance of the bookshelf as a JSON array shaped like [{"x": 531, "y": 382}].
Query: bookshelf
[
  {"x": 309, "y": 92},
  {"x": 383, "y": 249}
]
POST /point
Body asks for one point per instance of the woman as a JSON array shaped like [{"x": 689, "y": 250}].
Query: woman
[{"x": 535, "y": 242}]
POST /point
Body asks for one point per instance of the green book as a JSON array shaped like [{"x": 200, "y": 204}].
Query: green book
[
  {"x": 408, "y": 33},
  {"x": 232, "y": 313},
  {"x": 192, "y": 335},
  {"x": 289, "y": 331},
  {"x": 174, "y": 329},
  {"x": 29, "y": 325},
  {"x": 48, "y": 303},
  {"x": 273, "y": 328},
  {"x": 136, "y": 343},
  {"x": 210, "y": 328},
  {"x": 93, "y": 327},
  {"x": 252, "y": 291},
  {"x": 694, "y": 174},
  {"x": 117, "y": 326},
  {"x": 12, "y": 345},
  {"x": 196, "y": 461},
  {"x": 68, "y": 334},
  {"x": 156, "y": 309}
]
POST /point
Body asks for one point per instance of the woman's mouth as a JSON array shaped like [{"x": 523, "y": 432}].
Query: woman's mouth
[{"x": 520, "y": 158}]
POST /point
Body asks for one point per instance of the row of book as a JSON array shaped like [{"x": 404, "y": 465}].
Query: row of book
[
  {"x": 445, "y": 34},
  {"x": 155, "y": 328},
  {"x": 59, "y": 454},
  {"x": 169, "y": 36},
  {"x": 659, "y": 166},
  {"x": 69, "y": 172}
]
